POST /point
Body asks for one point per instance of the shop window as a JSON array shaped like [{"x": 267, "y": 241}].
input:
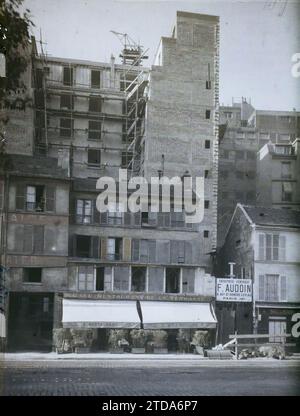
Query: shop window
[
  {"x": 172, "y": 280},
  {"x": 32, "y": 275},
  {"x": 138, "y": 279}
]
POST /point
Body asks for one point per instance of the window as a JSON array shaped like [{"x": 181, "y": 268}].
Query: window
[
  {"x": 228, "y": 114},
  {"x": 94, "y": 157},
  {"x": 32, "y": 275},
  {"x": 83, "y": 211},
  {"x": 207, "y": 144},
  {"x": 208, "y": 85},
  {"x": 29, "y": 239},
  {"x": 126, "y": 158},
  {"x": 95, "y": 78},
  {"x": 86, "y": 278},
  {"x": 114, "y": 249},
  {"x": 115, "y": 214},
  {"x": 271, "y": 247},
  {"x": 272, "y": 288},
  {"x": 138, "y": 279},
  {"x": 177, "y": 219},
  {"x": 66, "y": 102},
  {"x": 206, "y": 174},
  {"x": 144, "y": 251},
  {"x": 205, "y": 233},
  {"x": 121, "y": 278},
  {"x": 68, "y": 76},
  {"x": 172, "y": 280},
  {"x": 66, "y": 127},
  {"x": 95, "y": 104},
  {"x": 208, "y": 82},
  {"x": 287, "y": 192},
  {"x": 206, "y": 204},
  {"x": 94, "y": 132},
  {"x": 87, "y": 246},
  {"x": 149, "y": 218},
  {"x": 35, "y": 199},
  {"x": 100, "y": 278},
  {"x": 207, "y": 114},
  {"x": 286, "y": 172}
]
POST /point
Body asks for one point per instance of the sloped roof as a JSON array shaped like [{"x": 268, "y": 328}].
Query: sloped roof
[{"x": 273, "y": 216}]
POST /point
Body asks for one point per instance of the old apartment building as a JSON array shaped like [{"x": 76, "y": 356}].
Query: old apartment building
[
  {"x": 278, "y": 173},
  {"x": 243, "y": 132},
  {"x": 263, "y": 243},
  {"x": 70, "y": 266}
]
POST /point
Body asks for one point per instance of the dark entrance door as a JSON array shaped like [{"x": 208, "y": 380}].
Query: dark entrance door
[
  {"x": 30, "y": 321},
  {"x": 172, "y": 341},
  {"x": 102, "y": 339}
]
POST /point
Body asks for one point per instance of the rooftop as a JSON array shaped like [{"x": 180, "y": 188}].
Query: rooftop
[{"x": 273, "y": 216}]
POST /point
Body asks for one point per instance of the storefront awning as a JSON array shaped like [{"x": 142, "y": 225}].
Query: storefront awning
[
  {"x": 123, "y": 314},
  {"x": 100, "y": 314}
]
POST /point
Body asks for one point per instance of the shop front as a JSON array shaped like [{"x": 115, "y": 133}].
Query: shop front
[{"x": 143, "y": 326}]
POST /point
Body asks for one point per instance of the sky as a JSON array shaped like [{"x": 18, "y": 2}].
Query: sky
[{"x": 257, "y": 39}]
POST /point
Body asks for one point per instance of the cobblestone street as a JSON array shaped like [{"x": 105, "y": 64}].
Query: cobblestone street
[{"x": 149, "y": 378}]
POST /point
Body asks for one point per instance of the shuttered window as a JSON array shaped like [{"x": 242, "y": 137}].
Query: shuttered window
[
  {"x": 86, "y": 280},
  {"x": 283, "y": 289},
  {"x": 272, "y": 288},
  {"x": 188, "y": 280},
  {"x": 144, "y": 251},
  {"x": 271, "y": 247},
  {"x": 121, "y": 278}
]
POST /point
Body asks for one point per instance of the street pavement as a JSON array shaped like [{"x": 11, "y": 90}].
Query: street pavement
[{"x": 146, "y": 376}]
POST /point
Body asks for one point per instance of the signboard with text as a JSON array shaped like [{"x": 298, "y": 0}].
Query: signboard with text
[{"x": 234, "y": 290}]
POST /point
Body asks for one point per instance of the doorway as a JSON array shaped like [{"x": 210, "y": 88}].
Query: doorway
[{"x": 102, "y": 340}]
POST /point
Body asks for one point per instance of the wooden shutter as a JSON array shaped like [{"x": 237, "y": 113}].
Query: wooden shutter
[
  {"x": 96, "y": 213},
  {"x": 94, "y": 248},
  {"x": 28, "y": 239},
  {"x": 135, "y": 250},
  {"x": 19, "y": 236},
  {"x": 103, "y": 248},
  {"x": 38, "y": 239},
  {"x": 20, "y": 196},
  {"x": 283, "y": 291},
  {"x": 261, "y": 247},
  {"x": 174, "y": 250},
  {"x": 103, "y": 218},
  {"x": 127, "y": 218},
  {"x": 188, "y": 252},
  {"x": 50, "y": 198},
  {"x": 151, "y": 251},
  {"x": 126, "y": 249},
  {"x": 261, "y": 291},
  {"x": 282, "y": 245},
  {"x": 163, "y": 251}
]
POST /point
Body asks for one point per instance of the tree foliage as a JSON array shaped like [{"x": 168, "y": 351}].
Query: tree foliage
[{"x": 14, "y": 38}]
